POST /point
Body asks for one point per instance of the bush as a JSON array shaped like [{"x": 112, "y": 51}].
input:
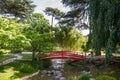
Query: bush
[
  {"x": 46, "y": 63},
  {"x": 104, "y": 77},
  {"x": 17, "y": 51},
  {"x": 25, "y": 68},
  {"x": 83, "y": 77},
  {"x": 2, "y": 51},
  {"x": 82, "y": 62}
]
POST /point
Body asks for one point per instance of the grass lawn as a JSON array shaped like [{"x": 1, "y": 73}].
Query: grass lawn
[
  {"x": 117, "y": 54},
  {"x": 4, "y": 57},
  {"x": 27, "y": 56},
  {"x": 12, "y": 71}
]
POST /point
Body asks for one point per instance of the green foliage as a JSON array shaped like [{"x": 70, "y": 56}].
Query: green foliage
[
  {"x": 4, "y": 57},
  {"x": 46, "y": 64},
  {"x": 18, "y": 8},
  {"x": 104, "y": 21},
  {"x": 39, "y": 34},
  {"x": 76, "y": 17},
  {"x": 11, "y": 36},
  {"x": 105, "y": 78},
  {"x": 83, "y": 77},
  {"x": 105, "y": 27},
  {"x": 26, "y": 56},
  {"x": 82, "y": 62},
  {"x": 25, "y": 68},
  {"x": 54, "y": 12},
  {"x": 16, "y": 51},
  {"x": 69, "y": 38},
  {"x": 71, "y": 78},
  {"x": 2, "y": 51}
]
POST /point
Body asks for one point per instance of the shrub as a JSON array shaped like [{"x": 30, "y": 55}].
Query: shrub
[
  {"x": 2, "y": 51},
  {"x": 104, "y": 77},
  {"x": 25, "y": 68},
  {"x": 83, "y": 77},
  {"x": 71, "y": 78},
  {"x": 17, "y": 51},
  {"x": 46, "y": 63},
  {"x": 82, "y": 62}
]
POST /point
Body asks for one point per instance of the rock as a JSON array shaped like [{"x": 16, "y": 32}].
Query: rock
[
  {"x": 91, "y": 79},
  {"x": 86, "y": 72},
  {"x": 49, "y": 74},
  {"x": 56, "y": 78},
  {"x": 44, "y": 72},
  {"x": 62, "y": 78}
]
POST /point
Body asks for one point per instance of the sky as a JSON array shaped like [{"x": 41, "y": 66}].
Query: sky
[{"x": 42, "y": 4}]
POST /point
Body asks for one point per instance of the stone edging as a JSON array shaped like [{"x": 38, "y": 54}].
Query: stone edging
[{"x": 26, "y": 77}]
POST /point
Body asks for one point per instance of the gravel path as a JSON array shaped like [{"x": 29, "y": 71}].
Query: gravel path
[{"x": 16, "y": 57}]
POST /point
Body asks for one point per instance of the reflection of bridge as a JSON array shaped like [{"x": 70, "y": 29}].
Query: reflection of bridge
[{"x": 65, "y": 55}]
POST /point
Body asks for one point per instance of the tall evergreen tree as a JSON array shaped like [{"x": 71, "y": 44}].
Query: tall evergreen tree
[
  {"x": 18, "y": 8},
  {"x": 54, "y": 12}
]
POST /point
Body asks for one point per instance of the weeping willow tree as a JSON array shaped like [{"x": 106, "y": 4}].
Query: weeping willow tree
[
  {"x": 105, "y": 24},
  {"x": 104, "y": 21}
]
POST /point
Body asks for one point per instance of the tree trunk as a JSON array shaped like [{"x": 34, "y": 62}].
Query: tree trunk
[
  {"x": 52, "y": 20},
  {"x": 98, "y": 52}
]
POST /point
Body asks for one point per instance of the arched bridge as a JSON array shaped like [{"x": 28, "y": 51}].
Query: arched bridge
[{"x": 71, "y": 55}]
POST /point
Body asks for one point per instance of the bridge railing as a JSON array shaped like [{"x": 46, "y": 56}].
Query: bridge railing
[{"x": 65, "y": 55}]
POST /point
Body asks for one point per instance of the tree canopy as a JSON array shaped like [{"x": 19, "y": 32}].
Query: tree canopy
[
  {"x": 11, "y": 36},
  {"x": 39, "y": 34},
  {"x": 69, "y": 38},
  {"x": 54, "y": 12},
  {"x": 18, "y": 8},
  {"x": 104, "y": 21}
]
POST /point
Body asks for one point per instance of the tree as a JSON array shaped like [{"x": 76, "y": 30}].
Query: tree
[
  {"x": 18, "y": 8},
  {"x": 73, "y": 18},
  {"x": 78, "y": 14},
  {"x": 69, "y": 38},
  {"x": 54, "y": 12},
  {"x": 11, "y": 36},
  {"x": 39, "y": 34},
  {"x": 104, "y": 23}
]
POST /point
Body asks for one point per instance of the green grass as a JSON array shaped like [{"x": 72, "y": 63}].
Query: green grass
[
  {"x": 4, "y": 57},
  {"x": 19, "y": 69},
  {"x": 117, "y": 55},
  {"x": 27, "y": 56},
  {"x": 12, "y": 71}
]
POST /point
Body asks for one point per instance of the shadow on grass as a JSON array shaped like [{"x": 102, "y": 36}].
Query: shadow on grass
[{"x": 16, "y": 66}]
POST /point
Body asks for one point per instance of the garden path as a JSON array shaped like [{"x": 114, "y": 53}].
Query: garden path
[{"x": 16, "y": 57}]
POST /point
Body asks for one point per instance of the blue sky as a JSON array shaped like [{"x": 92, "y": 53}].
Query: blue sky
[{"x": 42, "y": 4}]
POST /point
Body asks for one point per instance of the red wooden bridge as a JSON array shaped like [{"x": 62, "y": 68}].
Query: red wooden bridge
[{"x": 71, "y": 55}]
